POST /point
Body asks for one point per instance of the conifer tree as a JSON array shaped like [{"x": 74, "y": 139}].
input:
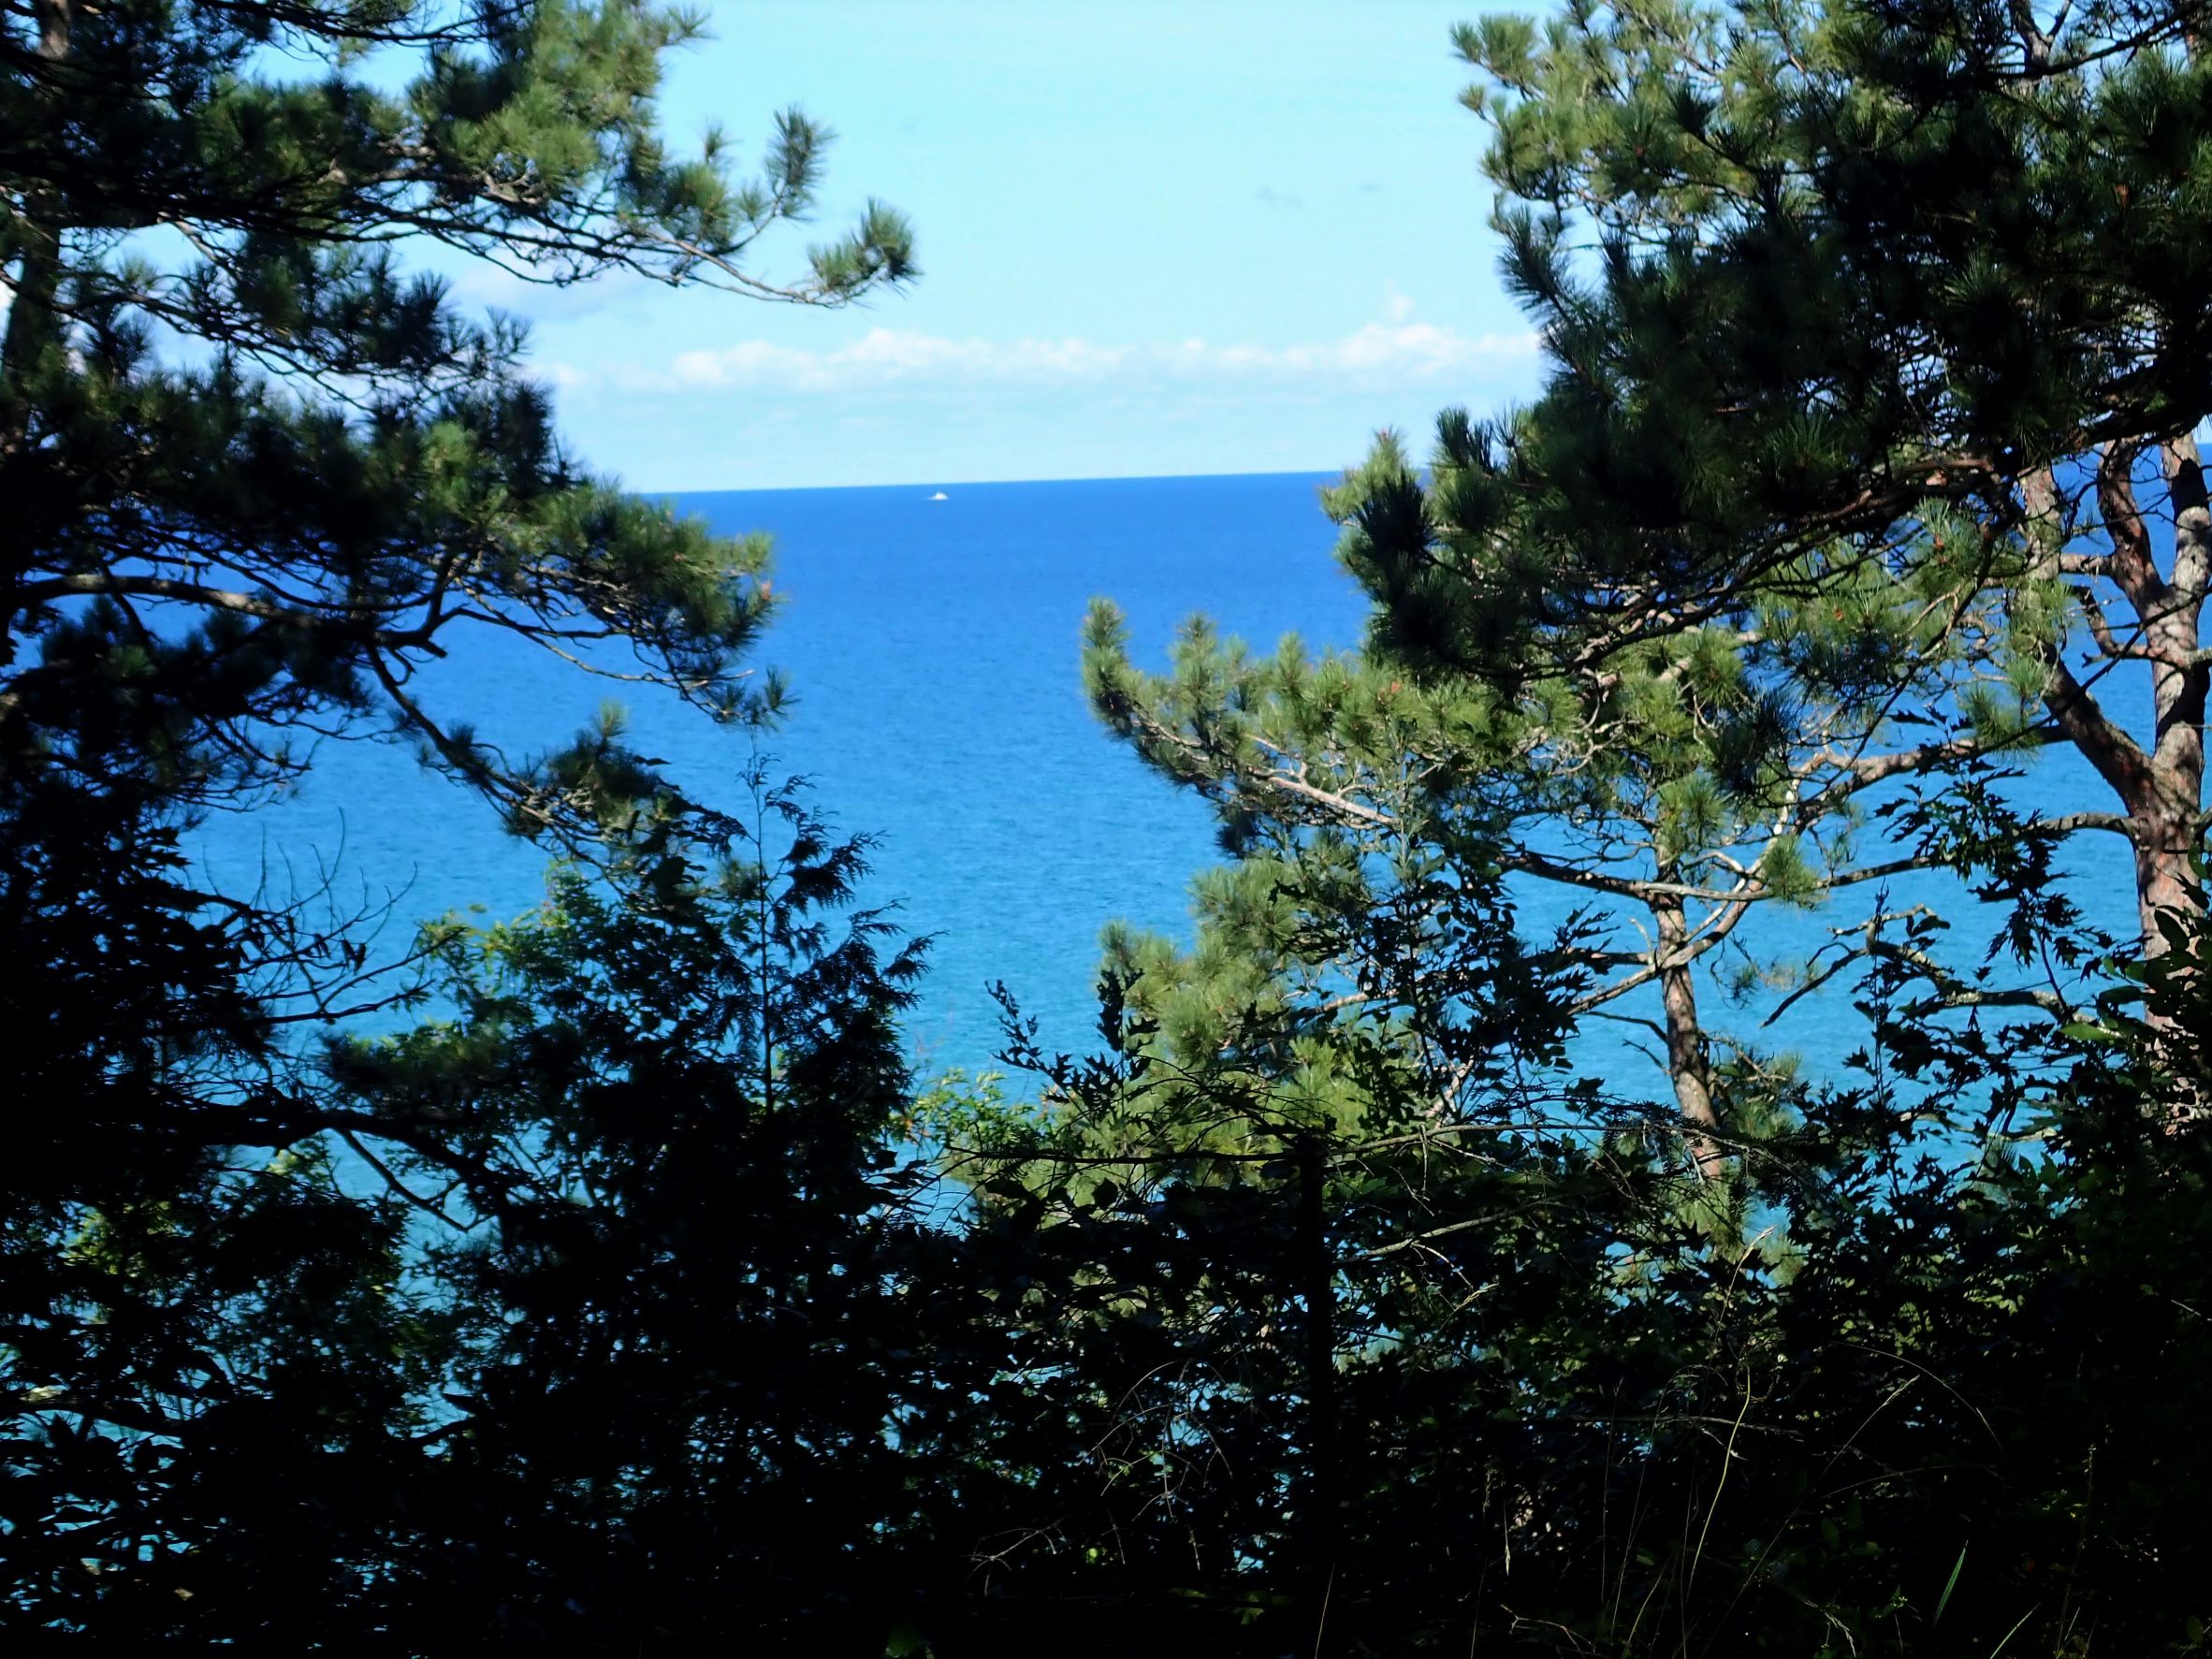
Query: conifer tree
[
  {"x": 259, "y": 472},
  {"x": 676, "y": 1251},
  {"x": 1868, "y": 416},
  {"x": 1891, "y": 1432},
  {"x": 260, "y": 469},
  {"x": 1876, "y": 338},
  {"x": 1911, "y": 293},
  {"x": 1665, "y": 792}
]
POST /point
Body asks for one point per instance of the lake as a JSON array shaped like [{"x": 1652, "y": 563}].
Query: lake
[{"x": 933, "y": 647}]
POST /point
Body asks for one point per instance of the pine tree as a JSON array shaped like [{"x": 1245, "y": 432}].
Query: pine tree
[
  {"x": 1666, "y": 789},
  {"x": 1908, "y": 293},
  {"x": 677, "y": 1248},
  {"x": 258, "y": 474}
]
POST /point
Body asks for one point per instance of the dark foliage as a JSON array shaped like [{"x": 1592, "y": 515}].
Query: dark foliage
[{"x": 626, "y": 1296}]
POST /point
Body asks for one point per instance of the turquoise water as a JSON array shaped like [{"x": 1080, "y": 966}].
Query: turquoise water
[{"x": 932, "y": 649}]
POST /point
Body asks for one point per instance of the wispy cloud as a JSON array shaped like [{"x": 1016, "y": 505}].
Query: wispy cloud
[{"x": 1390, "y": 353}]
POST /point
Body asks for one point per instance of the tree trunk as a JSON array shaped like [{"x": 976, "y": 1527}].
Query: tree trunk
[
  {"x": 2174, "y": 793},
  {"x": 2161, "y": 788},
  {"x": 1686, "y": 1059}
]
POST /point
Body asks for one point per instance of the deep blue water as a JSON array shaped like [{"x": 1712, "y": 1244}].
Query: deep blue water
[{"x": 933, "y": 649}]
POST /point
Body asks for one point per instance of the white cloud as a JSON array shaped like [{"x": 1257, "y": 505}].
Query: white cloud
[
  {"x": 886, "y": 355},
  {"x": 1390, "y": 352}
]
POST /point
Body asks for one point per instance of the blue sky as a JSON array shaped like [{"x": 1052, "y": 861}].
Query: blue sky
[{"x": 1155, "y": 238}]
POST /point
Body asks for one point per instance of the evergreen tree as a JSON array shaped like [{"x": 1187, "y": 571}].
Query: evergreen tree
[
  {"x": 1864, "y": 291},
  {"x": 1324, "y": 1311},
  {"x": 1234, "y": 1224},
  {"x": 1555, "y": 1408},
  {"x": 678, "y": 1254},
  {"x": 1560, "y": 1410},
  {"x": 1664, "y": 790},
  {"x": 1868, "y": 328},
  {"x": 1812, "y": 506},
  {"x": 258, "y": 474}
]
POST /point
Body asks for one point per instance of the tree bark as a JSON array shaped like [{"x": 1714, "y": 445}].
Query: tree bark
[
  {"x": 1687, "y": 1061},
  {"x": 2174, "y": 795},
  {"x": 2161, "y": 788}
]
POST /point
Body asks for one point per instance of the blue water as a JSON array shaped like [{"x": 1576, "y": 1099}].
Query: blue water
[{"x": 933, "y": 649}]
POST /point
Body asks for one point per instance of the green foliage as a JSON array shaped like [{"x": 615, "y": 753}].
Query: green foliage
[
  {"x": 259, "y": 473},
  {"x": 607, "y": 1353},
  {"x": 667, "y": 1098},
  {"x": 1857, "y": 373},
  {"x": 1864, "y": 323},
  {"x": 607, "y": 1303},
  {"x": 1570, "y": 1399}
]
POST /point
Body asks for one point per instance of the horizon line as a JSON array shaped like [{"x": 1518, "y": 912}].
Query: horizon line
[{"x": 990, "y": 483}]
